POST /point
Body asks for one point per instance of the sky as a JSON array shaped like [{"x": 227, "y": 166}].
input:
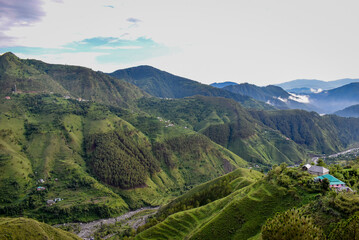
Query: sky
[{"x": 257, "y": 41}]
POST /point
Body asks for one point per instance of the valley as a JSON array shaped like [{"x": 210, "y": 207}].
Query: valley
[{"x": 144, "y": 154}]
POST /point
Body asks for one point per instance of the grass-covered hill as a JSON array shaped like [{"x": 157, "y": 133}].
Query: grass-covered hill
[
  {"x": 165, "y": 85},
  {"x": 321, "y": 134},
  {"x": 26, "y": 228},
  {"x": 234, "y": 206},
  {"x": 32, "y": 76},
  {"x": 96, "y": 161},
  {"x": 227, "y": 123},
  {"x": 244, "y": 203}
]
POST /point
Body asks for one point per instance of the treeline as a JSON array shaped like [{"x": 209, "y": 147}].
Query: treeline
[
  {"x": 118, "y": 160},
  {"x": 324, "y": 134}
]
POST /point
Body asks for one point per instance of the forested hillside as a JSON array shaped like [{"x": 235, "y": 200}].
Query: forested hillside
[
  {"x": 321, "y": 134},
  {"x": 85, "y": 154},
  {"x": 32, "y": 76},
  {"x": 165, "y": 85}
]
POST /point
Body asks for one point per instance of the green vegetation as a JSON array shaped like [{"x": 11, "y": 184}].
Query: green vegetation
[
  {"x": 291, "y": 224},
  {"x": 98, "y": 163},
  {"x": 165, "y": 85},
  {"x": 325, "y": 134},
  {"x": 25, "y": 228},
  {"x": 32, "y": 76},
  {"x": 227, "y": 123},
  {"x": 236, "y": 214}
]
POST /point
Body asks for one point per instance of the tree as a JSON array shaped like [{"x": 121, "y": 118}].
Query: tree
[
  {"x": 346, "y": 230},
  {"x": 292, "y": 225},
  {"x": 321, "y": 163}
]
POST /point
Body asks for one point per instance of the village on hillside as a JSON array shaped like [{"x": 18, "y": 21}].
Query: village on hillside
[{"x": 323, "y": 173}]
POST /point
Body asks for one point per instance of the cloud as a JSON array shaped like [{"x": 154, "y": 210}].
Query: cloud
[
  {"x": 299, "y": 98},
  {"x": 18, "y": 13},
  {"x": 133, "y": 20},
  {"x": 118, "y": 47}
]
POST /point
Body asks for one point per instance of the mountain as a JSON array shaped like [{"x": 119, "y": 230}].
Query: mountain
[
  {"x": 352, "y": 111},
  {"x": 26, "y": 228},
  {"x": 95, "y": 161},
  {"x": 230, "y": 125},
  {"x": 222, "y": 84},
  {"x": 272, "y": 95},
  {"x": 33, "y": 76},
  {"x": 316, "y": 84},
  {"x": 238, "y": 205},
  {"x": 322, "y": 134},
  {"x": 165, "y": 85},
  {"x": 336, "y": 99}
]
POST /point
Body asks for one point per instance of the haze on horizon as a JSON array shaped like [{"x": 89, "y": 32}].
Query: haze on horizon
[{"x": 260, "y": 42}]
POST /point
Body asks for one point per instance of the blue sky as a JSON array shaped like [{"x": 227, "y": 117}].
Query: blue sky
[{"x": 257, "y": 41}]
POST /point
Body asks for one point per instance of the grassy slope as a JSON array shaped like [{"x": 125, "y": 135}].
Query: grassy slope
[
  {"x": 239, "y": 215},
  {"x": 44, "y": 137},
  {"x": 227, "y": 123},
  {"x": 25, "y": 228},
  {"x": 78, "y": 82}
]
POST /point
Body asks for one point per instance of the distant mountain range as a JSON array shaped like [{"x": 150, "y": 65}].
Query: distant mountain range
[
  {"x": 315, "y": 84},
  {"x": 223, "y": 84},
  {"x": 306, "y": 98},
  {"x": 352, "y": 111},
  {"x": 165, "y": 85},
  {"x": 272, "y": 95}
]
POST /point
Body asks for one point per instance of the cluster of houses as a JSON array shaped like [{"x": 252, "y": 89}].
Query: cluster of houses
[
  {"x": 323, "y": 173},
  {"x": 167, "y": 122},
  {"x": 53, "y": 201}
]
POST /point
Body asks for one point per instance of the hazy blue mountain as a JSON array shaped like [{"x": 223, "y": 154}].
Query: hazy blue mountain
[
  {"x": 316, "y": 84},
  {"x": 336, "y": 99},
  {"x": 272, "y": 95},
  {"x": 223, "y": 84},
  {"x": 352, "y": 111},
  {"x": 304, "y": 90}
]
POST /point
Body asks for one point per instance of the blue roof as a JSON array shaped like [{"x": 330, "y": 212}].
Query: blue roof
[{"x": 332, "y": 180}]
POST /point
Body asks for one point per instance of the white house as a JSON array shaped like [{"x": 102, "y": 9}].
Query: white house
[{"x": 318, "y": 170}]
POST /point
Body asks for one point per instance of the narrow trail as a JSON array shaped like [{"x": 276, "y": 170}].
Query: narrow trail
[{"x": 87, "y": 230}]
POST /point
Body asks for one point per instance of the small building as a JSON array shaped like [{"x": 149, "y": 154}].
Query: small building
[
  {"x": 40, "y": 188},
  {"x": 41, "y": 180},
  {"x": 306, "y": 167},
  {"x": 318, "y": 170},
  {"x": 333, "y": 182},
  {"x": 58, "y": 199},
  {"x": 7, "y": 97},
  {"x": 50, "y": 202}
]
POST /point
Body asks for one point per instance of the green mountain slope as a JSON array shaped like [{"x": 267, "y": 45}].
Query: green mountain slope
[
  {"x": 165, "y": 85},
  {"x": 324, "y": 134},
  {"x": 77, "y": 82},
  {"x": 98, "y": 163},
  {"x": 227, "y": 123},
  {"x": 240, "y": 213},
  {"x": 25, "y": 228}
]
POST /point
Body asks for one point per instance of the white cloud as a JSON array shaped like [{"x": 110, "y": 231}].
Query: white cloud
[
  {"x": 299, "y": 98},
  {"x": 319, "y": 90},
  {"x": 118, "y": 47}
]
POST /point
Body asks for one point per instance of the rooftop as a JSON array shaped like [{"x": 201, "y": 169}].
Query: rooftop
[
  {"x": 332, "y": 180},
  {"x": 319, "y": 169}
]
